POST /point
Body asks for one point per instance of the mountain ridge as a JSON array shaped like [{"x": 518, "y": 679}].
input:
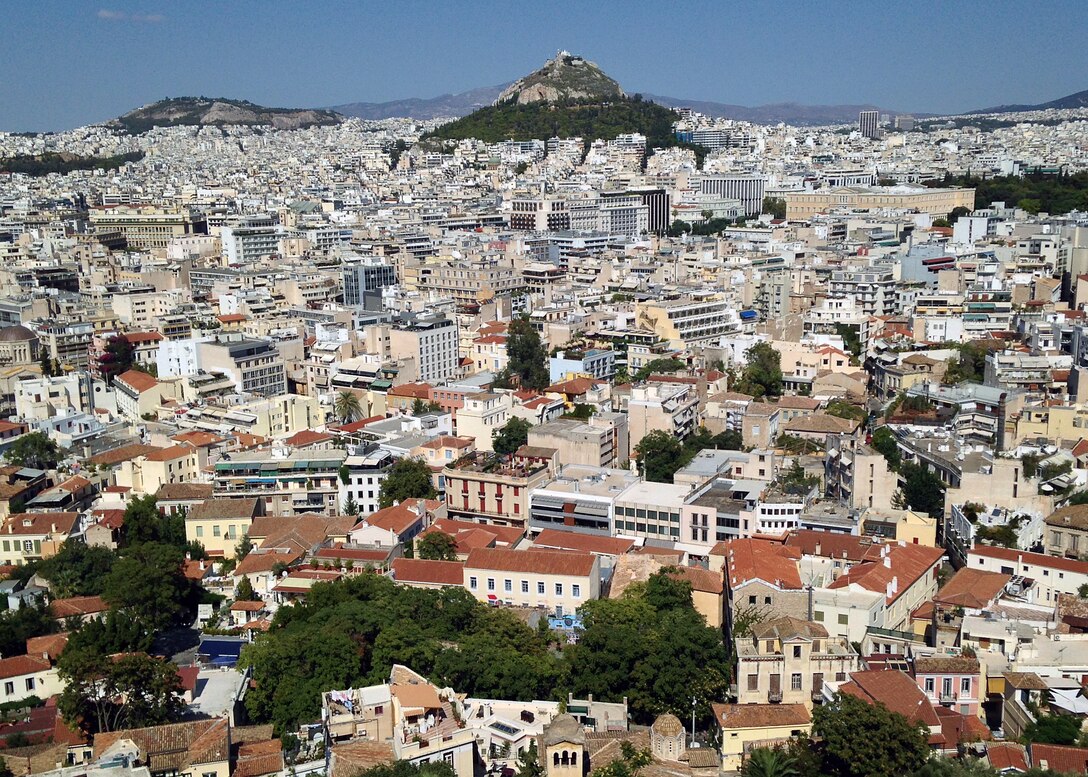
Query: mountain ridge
[
  {"x": 218, "y": 112},
  {"x": 1075, "y": 100}
]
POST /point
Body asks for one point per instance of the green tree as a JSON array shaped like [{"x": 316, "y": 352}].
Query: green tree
[
  {"x": 842, "y": 409},
  {"x": 347, "y": 407},
  {"x": 528, "y": 359},
  {"x": 31, "y": 619},
  {"x": 868, "y": 740},
  {"x": 921, "y": 490},
  {"x": 956, "y": 212},
  {"x": 884, "y": 442},
  {"x": 45, "y": 363},
  {"x": 762, "y": 375},
  {"x": 244, "y": 592},
  {"x": 775, "y": 206},
  {"x": 629, "y": 764},
  {"x": 108, "y": 693},
  {"x": 969, "y": 365},
  {"x": 769, "y": 762},
  {"x": 659, "y": 455},
  {"x": 35, "y": 450},
  {"x": 437, "y": 546},
  {"x": 1053, "y": 730},
  {"x": 144, "y": 523},
  {"x": 506, "y": 440},
  {"x": 148, "y": 582},
  {"x": 529, "y": 762},
  {"x": 243, "y": 547},
  {"x": 351, "y": 507},
  {"x": 117, "y": 357},
  {"x": 409, "y": 769},
  {"x": 408, "y": 478},
  {"x": 659, "y": 367},
  {"x": 77, "y": 569}
]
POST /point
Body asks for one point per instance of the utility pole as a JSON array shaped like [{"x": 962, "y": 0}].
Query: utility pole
[{"x": 692, "y": 721}]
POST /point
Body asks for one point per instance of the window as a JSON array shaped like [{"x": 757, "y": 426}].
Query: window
[
  {"x": 818, "y": 616},
  {"x": 216, "y": 531},
  {"x": 490, "y": 584},
  {"x": 946, "y": 686},
  {"x": 30, "y": 683},
  {"x": 508, "y": 585},
  {"x": 965, "y": 685},
  {"x": 796, "y": 651},
  {"x": 576, "y": 590},
  {"x": 525, "y": 586},
  {"x": 843, "y": 619},
  {"x": 472, "y": 583},
  {"x": 795, "y": 681},
  {"x": 558, "y": 589},
  {"x": 9, "y": 689},
  {"x": 199, "y": 531},
  {"x": 751, "y": 600},
  {"x": 540, "y": 588},
  {"x": 753, "y": 682},
  {"x": 930, "y": 685},
  {"x": 766, "y": 600}
]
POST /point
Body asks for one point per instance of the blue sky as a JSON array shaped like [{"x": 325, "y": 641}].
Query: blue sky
[{"x": 69, "y": 62}]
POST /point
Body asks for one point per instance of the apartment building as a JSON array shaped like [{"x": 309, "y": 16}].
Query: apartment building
[
  {"x": 1053, "y": 575},
  {"x": 365, "y": 278},
  {"x": 600, "y": 441},
  {"x": 558, "y": 582},
  {"x": 361, "y": 479},
  {"x": 286, "y": 483},
  {"x": 785, "y": 661},
  {"x": 650, "y": 510},
  {"x": 672, "y": 408},
  {"x": 220, "y": 523},
  {"x": 482, "y": 415},
  {"x": 254, "y": 365},
  {"x": 482, "y": 489},
  {"x": 857, "y": 474},
  {"x": 249, "y": 238},
  {"x": 593, "y": 363},
  {"x": 581, "y": 498},
  {"x": 147, "y": 473},
  {"x": 431, "y": 341},
  {"x": 687, "y": 323},
  {"x": 950, "y": 681}
]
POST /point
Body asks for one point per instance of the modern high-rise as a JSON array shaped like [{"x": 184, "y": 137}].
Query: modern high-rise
[
  {"x": 432, "y": 341},
  {"x": 869, "y": 123},
  {"x": 248, "y": 238},
  {"x": 365, "y": 278}
]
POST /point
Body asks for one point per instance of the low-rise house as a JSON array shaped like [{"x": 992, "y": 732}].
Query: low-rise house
[
  {"x": 26, "y": 537},
  {"x": 428, "y": 573},
  {"x": 85, "y": 608},
  {"x": 23, "y": 677},
  {"x": 219, "y": 524},
  {"x": 396, "y": 525},
  {"x": 559, "y": 582},
  {"x": 1067, "y": 532},
  {"x": 951, "y": 681},
  {"x": 747, "y": 726},
  {"x": 195, "y": 747},
  {"x": 1052, "y": 575}
]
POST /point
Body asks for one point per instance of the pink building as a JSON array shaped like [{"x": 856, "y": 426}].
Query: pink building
[{"x": 950, "y": 681}]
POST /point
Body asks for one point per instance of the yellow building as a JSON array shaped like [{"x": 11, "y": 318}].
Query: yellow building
[
  {"x": 219, "y": 524},
  {"x": 900, "y": 526},
  {"x": 937, "y": 202},
  {"x": 564, "y": 747},
  {"x": 747, "y": 726},
  {"x": 148, "y": 473},
  {"x": 26, "y": 537}
]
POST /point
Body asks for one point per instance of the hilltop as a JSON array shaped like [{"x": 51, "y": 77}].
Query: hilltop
[
  {"x": 566, "y": 77},
  {"x": 568, "y": 97},
  {"x": 218, "y": 112},
  {"x": 1076, "y": 100}
]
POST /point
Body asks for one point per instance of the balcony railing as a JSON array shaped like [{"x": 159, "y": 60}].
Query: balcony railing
[{"x": 774, "y": 697}]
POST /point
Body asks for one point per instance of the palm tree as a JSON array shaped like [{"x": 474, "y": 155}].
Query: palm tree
[
  {"x": 768, "y": 762},
  {"x": 347, "y": 407}
]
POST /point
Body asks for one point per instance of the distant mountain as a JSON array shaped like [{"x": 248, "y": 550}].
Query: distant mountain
[
  {"x": 1078, "y": 100},
  {"x": 219, "y": 111},
  {"x": 789, "y": 113},
  {"x": 445, "y": 105},
  {"x": 566, "y": 77}
]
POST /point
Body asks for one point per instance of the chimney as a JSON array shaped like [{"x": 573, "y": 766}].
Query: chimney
[
  {"x": 888, "y": 562},
  {"x": 53, "y": 528},
  {"x": 895, "y": 584},
  {"x": 818, "y": 547}
]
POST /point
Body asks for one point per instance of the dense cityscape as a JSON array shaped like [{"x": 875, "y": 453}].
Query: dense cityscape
[{"x": 571, "y": 434}]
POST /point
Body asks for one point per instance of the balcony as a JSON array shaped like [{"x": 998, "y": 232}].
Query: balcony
[
  {"x": 948, "y": 698},
  {"x": 774, "y": 697}
]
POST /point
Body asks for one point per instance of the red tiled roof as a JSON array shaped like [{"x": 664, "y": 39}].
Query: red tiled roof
[
  {"x": 77, "y": 605},
  {"x": 1007, "y": 755},
  {"x": 138, "y": 381},
  {"x": 1024, "y": 557},
  {"x": 416, "y": 570},
  {"x": 771, "y": 562},
  {"x": 540, "y": 562},
  {"x": 903, "y": 566},
  {"x": 895, "y": 690},
  {"x": 588, "y": 543},
  {"x": 973, "y": 588},
  {"x": 730, "y": 716},
  {"x": 17, "y": 666},
  {"x": 1059, "y": 758},
  {"x": 39, "y": 523}
]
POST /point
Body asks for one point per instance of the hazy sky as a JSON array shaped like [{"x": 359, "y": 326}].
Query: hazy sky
[{"x": 69, "y": 62}]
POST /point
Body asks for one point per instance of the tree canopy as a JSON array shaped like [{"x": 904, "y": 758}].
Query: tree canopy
[
  {"x": 762, "y": 375},
  {"x": 408, "y": 478},
  {"x": 922, "y": 491},
  {"x": 868, "y": 740},
  {"x": 436, "y": 546},
  {"x": 117, "y": 357},
  {"x": 35, "y": 450},
  {"x": 527, "y": 357},
  {"x": 510, "y": 436},
  {"x": 111, "y": 692}
]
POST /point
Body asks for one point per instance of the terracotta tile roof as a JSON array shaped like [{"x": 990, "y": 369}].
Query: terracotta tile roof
[
  {"x": 197, "y": 438},
  {"x": 1060, "y": 759},
  {"x": 449, "y": 441},
  {"x": 787, "y": 628},
  {"x": 588, "y": 543},
  {"x": 945, "y": 665},
  {"x": 223, "y": 509},
  {"x": 51, "y": 645},
  {"x": 1025, "y": 681},
  {"x": 169, "y": 454},
  {"x": 135, "y": 338},
  {"x": 973, "y": 588},
  {"x": 540, "y": 562},
  {"x": 574, "y": 386},
  {"x": 957, "y": 728},
  {"x": 247, "y": 606},
  {"x": 1024, "y": 557},
  {"x": 184, "y": 491},
  {"x": 895, "y": 690},
  {"x": 263, "y": 562},
  {"x": 397, "y": 519},
  {"x": 307, "y": 437},
  {"x": 903, "y": 566},
  {"x": 17, "y": 666},
  {"x": 821, "y": 423},
  {"x": 771, "y": 562},
  {"x": 139, "y": 382},
  {"x": 35, "y": 524},
  {"x": 416, "y": 390},
  {"x": 124, "y": 453},
  {"x": 416, "y": 570},
  {"x": 833, "y": 545},
  {"x": 1004, "y": 756},
  {"x": 702, "y": 580},
  {"x": 470, "y": 535},
  {"x": 733, "y": 716},
  {"x": 259, "y": 758},
  {"x": 74, "y": 484},
  {"x": 1071, "y": 517},
  {"x": 77, "y": 605},
  {"x": 175, "y": 746},
  {"x": 350, "y": 758},
  {"x": 798, "y": 403}
]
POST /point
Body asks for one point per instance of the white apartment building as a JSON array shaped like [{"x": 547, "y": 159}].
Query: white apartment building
[{"x": 431, "y": 340}]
